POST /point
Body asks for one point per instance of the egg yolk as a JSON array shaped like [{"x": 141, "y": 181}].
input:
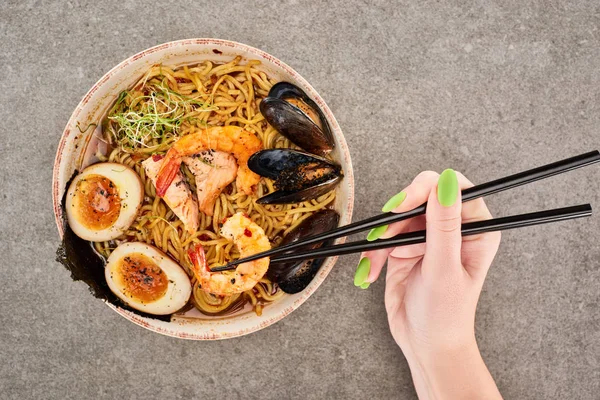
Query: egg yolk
[
  {"x": 98, "y": 202},
  {"x": 141, "y": 278}
]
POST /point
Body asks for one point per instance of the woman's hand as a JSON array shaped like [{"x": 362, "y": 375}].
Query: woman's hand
[{"x": 432, "y": 289}]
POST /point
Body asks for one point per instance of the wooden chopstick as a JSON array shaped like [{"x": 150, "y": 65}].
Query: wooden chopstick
[
  {"x": 468, "y": 229},
  {"x": 472, "y": 193}
]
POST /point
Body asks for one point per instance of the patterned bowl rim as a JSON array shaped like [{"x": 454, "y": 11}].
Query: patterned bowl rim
[{"x": 165, "y": 328}]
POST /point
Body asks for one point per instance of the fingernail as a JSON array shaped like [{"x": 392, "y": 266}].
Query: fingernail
[
  {"x": 365, "y": 285},
  {"x": 394, "y": 202},
  {"x": 447, "y": 190},
  {"x": 362, "y": 271},
  {"x": 376, "y": 233}
]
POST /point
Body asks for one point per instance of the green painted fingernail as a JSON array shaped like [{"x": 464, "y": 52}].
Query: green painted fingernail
[
  {"x": 447, "y": 191},
  {"x": 394, "y": 202},
  {"x": 362, "y": 271},
  {"x": 365, "y": 285},
  {"x": 376, "y": 233}
]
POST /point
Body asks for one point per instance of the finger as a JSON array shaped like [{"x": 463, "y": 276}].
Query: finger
[
  {"x": 414, "y": 250},
  {"x": 473, "y": 210},
  {"x": 398, "y": 273},
  {"x": 367, "y": 274},
  {"x": 443, "y": 216},
  {"x": 478, "y": 251},
  {"x": 415, "y": 194},
  {"x": 379, "y": 257}
]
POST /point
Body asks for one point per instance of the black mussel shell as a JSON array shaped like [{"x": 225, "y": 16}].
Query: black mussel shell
[
  {"x": 292, "y": 93},
  {"x": 321, "y": 221},
  {"x": 287, "y": 197},
  {"x": 269, "y": 163},
  {"x": 295, "y": 125},
  {"x": 294, "y": 276},
  {"x": 295, "y": 115},
  {"x": 303, "y": 276},
  {"x": 284, "y": 90},
  {"x": 299, "y": 176},
  {"x": 287, "y": 91}
]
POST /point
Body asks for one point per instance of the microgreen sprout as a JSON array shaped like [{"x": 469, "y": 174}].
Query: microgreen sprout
[{"x": 141, "y": 119}]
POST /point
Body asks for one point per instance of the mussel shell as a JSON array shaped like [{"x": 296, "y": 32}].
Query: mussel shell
[
  {"x": 270, "y": 163},
  {"x": 294, "y": 124},
  {"x": 289, "y": 168},
  {"x": 304, "y": 275},
  {"x": 294, "y": 276},
  {"x": 285, "y": 90},
  {"x": 287, "y": 197}
]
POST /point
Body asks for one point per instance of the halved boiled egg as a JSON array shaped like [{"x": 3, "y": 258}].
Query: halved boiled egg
[
  {"x": 103, "y": 201},
  {"x": 146, "y": 279}
]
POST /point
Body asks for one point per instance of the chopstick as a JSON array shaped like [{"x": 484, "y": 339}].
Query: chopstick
[
  {"x": 472, "y": 193},
  {"x": 468, "y": 229}
]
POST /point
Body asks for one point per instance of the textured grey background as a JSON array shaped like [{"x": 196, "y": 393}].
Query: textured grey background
[{"x": 485, "y": 87}]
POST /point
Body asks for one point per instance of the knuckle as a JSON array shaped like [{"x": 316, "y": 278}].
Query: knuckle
[
  {"x": 445, "y": 224},
  {"x": 425, "y": 175},
  {"x": 485, "y": 238},
  {"x": 412, "y": 251},
  {"x": 460, "y": 174},
  {"x": 463, "y": 181}
]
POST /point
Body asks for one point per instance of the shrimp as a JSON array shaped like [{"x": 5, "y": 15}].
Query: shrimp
[
  {"x": 213, "y": 170},
  {"x": 250, "y": 239},
  {"x": 178, "y": 196},
  {"x": 229, "y": 139}
]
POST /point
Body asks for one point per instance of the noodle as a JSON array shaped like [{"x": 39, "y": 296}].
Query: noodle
[{"x": 168, "y": 103}]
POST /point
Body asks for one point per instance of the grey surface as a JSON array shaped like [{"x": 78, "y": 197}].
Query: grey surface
[{"x": 485, "y": 87}]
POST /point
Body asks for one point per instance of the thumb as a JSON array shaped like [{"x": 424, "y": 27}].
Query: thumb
[{"x": 443, "y": 247}]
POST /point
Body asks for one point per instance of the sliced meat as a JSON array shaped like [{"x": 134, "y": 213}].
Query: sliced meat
[
  {"x": 214, "y": 170},
  {"x": 178, "y": 196}
]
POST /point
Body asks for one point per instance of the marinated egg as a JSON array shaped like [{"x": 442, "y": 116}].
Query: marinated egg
[
  {"x": 146, "y": 279},
  {"x": 103, "y": 201}
]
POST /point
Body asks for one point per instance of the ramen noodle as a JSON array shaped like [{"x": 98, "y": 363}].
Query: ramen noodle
[{"x": 167, "y": 103}]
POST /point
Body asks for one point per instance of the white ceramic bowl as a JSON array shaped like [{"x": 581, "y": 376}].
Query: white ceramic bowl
[{"x": 71, "y": 155}]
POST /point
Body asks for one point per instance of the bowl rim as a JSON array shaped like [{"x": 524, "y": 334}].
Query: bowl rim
[{"x": 259, "y": 54}]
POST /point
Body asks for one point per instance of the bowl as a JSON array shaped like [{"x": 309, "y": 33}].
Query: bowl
[{"x": 78, "y": 144}]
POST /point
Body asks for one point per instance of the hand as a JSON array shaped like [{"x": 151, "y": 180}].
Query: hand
[{"x": 432, "y": 289}]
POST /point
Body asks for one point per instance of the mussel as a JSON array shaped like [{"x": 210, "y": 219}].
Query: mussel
[
  {"x": 295, "y": 115},
  {"x": 298, "y": 176},
  {"x": 293, "y": 277}
]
